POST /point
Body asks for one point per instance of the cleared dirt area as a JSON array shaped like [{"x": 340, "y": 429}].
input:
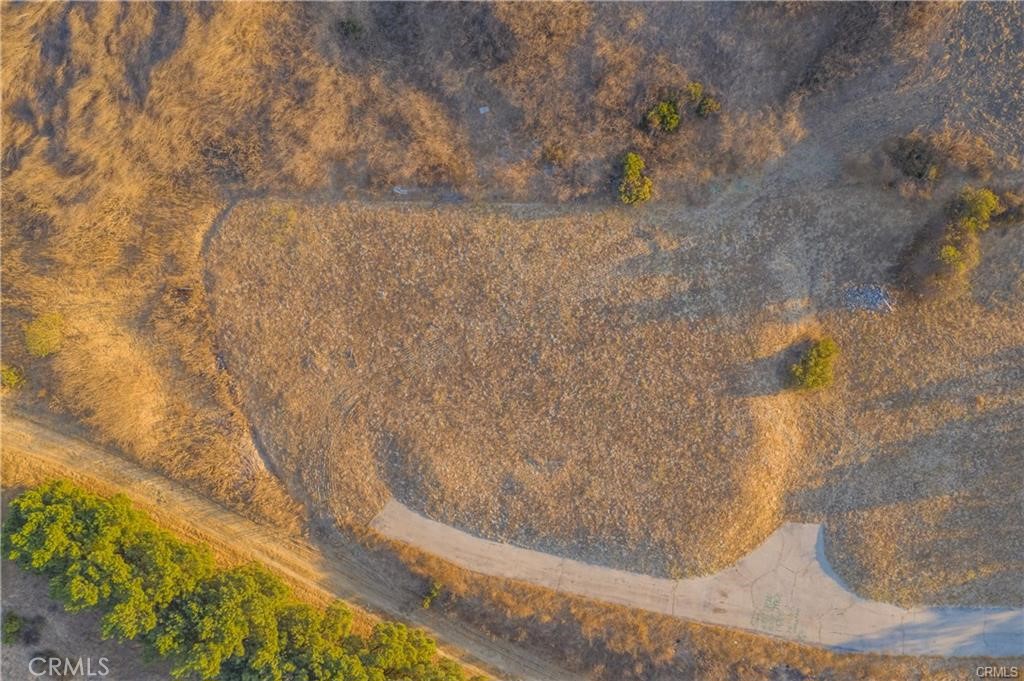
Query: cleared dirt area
[{"x": 521, "y": 377}]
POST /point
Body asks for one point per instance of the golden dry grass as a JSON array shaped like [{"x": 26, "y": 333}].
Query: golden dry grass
[
  {"x": 614, "y": 386},
  {"x": 524, "y": 378},
  {"x": 618, "y": 643},
  {"x": 128, "y": 129}
]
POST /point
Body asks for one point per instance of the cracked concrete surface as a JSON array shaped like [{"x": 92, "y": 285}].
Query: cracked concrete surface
[{"x": 784, "y": 588}]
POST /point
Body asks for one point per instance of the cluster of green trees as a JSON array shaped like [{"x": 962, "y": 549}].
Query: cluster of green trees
[{"x": 210, "y": 623}]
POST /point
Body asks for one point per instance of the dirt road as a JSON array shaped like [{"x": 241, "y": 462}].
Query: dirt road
[{"x": 320, "y": 571}]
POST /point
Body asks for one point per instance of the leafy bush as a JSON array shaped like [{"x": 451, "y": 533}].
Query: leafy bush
[
  {"x": 695, "y": 90},
  {"x": 708, "y": 105},
  {"x": 12, "y": 626},
  {"x": 951, "y": 255},
  {"x": 11, "y": 377},
  {"x": 432, "y": 594},
  {"x": 664, "y": 116},
  {"x": 974, "y": 209},
  {"x": 234, "y": 624},
  {"x": 44, "y": 334},
  {"x": 814, "y": 370},
  {"x": 635, "y": 186}
]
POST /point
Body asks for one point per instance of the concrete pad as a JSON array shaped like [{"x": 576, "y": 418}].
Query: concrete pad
[{"x": 783, "y": 588}]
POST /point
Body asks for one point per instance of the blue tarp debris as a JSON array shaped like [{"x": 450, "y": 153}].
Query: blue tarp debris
[{"x": 873, "y": 298}]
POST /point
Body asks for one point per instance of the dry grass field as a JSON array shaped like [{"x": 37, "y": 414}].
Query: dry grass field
[
  {"x": 614, "y": 387},
  {"x": 194, "y": 193}
]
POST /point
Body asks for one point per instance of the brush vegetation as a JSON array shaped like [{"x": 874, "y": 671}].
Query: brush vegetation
[
  {"x": 663, "y": 116},
  {"x": 11, "y": 377},
  {"x": 12, "y": 628},
  {"x": 959, "y": 250},
  {"x": 44, "y": 334},
  {"x": 211, "y": 623},
  {"x": 635, "y": 186},
  {"x": 815, "y": 368}
]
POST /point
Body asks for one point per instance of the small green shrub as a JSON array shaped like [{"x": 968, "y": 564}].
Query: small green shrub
[
  {"x": 951, "y": 255},
  {"x": 974, "y": 209},
  {"x": 432, "y": 594},
  {"x": 708, "y": 106},
  {"x": 635, "y": 186},
  {"x": 11, "y": 377},
  {"x": 12, "y": 626},
  {"x": 44, "y": 334},
  {"x": 664, "y": 116},
  {"x": 695, "y": 90},
  {"x": 814, "y": 370}
]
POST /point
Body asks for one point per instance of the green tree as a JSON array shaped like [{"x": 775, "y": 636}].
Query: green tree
[
  {"x": 695, "y": 90},
  {"x": 664, "y": 116},
  {"x": 975, "y": 207},
  {"x": 951, "y": 255},
  {"x": 299, "y": 629},
  {"x": 42, "y": 531},
  {"x": 397, "y": 650},
  {"x": 708, "y": 105},
  {"x": 814, "y": 370},
  {"x": 226, "y": 628},
  {"x": 337, "y": 622},
  {"x": 311, "y": 644},
  {"x": 635, "y": 186},
  {"x": 11, "y": 377}
]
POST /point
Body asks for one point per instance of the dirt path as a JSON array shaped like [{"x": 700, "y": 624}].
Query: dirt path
[
  {"x": 784, "y": 588},
  {"x": 323, "y": 573}
]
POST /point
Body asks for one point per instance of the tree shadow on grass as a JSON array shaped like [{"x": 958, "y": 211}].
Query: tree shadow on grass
[{"x": 767, "y": 375}]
